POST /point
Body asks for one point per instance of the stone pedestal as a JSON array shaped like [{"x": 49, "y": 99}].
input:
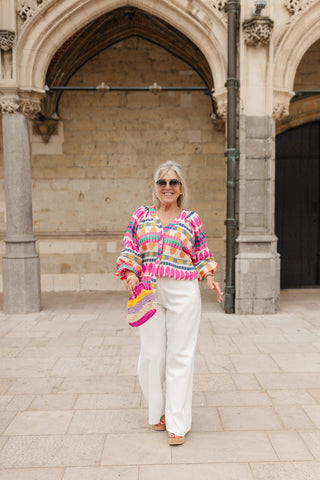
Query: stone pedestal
[
  {"x": 21, "y": 270},
  {"x": 257, "y": 275},
  {"x": 257, "y": 261}
]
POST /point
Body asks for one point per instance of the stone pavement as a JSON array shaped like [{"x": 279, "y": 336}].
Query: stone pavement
[{"x": 71, "y": 408}]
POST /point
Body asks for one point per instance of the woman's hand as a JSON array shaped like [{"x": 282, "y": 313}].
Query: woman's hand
[
  {"x": 215, "y": 286},
  {"x": 132, "y": 282}
]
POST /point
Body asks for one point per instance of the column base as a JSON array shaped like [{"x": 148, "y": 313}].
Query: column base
[
  {"x": 257, "y": 275},
  {"x": 257, "y": 283},
  {"x": 21, "y": 284}
]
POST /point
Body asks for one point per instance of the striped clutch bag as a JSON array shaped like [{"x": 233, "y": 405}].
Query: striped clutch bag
[{"x": 143, "y": 306}]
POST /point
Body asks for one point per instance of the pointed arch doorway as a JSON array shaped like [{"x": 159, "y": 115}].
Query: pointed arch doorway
[{"x": 113, "y": 142}]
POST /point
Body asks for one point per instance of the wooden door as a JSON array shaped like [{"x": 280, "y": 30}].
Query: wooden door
[{"x": 297, "y": 199}]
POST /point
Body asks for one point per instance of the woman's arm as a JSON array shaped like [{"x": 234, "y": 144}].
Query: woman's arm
[
  {"x": 202, "y": 257},
  {"x": 130, "y": 257}
]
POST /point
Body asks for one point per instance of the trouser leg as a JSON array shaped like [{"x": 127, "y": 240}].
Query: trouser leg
[
  {"x": 183, "y": 314},
  {"x": 151, "y": 365}
]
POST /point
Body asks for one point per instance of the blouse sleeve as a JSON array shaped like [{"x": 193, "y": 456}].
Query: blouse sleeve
[
  {"x": 130, "y": 257},
  {"x": 202, "y": 257}
]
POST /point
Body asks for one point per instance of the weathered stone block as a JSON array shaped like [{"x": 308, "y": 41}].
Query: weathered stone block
[
  {"x": 256, "y": 148},
  {"x": 256, "y": 280},
  {"x": 259, "y": 127},
  {"x": 186, "y": 100}
]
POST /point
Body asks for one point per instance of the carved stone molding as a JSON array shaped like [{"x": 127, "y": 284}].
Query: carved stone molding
[
  {"x": 297, "y": 6},
  {"x": 30, "y": 108},
  {"x": 219, "y": 124},
  {"x": 25, "y": 11},
  {"x": 281, "y": 103},
  {"x": 9, "y": 105},
  {"x": 257, "y": 31},
  {"x": 27, "y": 107},
  {"x": 7, "y": 39},
  {"x": 45, "y": 128},
  {"x": 28, "y": 9},
  {"x": 221, "y": 104},
  {"x": 280, "y": 110},
  {"x": 222, "y": 110},
  {"x": 218, "y": 4}
]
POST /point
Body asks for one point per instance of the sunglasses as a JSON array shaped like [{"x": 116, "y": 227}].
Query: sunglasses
[{"x": 163, "y": 183}]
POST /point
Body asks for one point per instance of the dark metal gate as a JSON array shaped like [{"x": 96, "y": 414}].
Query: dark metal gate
[{"x": 297, "y": 209}]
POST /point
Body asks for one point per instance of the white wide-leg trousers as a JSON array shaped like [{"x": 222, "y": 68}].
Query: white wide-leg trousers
[{"x": 168, "y": 343}]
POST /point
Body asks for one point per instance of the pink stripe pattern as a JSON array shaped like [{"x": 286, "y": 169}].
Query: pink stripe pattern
[{"x": 178, "y": 250}]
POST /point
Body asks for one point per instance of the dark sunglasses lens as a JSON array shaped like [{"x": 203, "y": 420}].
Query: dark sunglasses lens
[
  {"x": 174, "y": 183},
  {"x": 161, "y": 182}
]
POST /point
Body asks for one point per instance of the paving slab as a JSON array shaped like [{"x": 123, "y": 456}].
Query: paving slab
[
  {"x": 291, "y": 397},
  {"x": 51, "y": 451},
  {"x": 225, "y": 447},
  {"x": 108, "y": 401},
  {"x": 289, "y": 446},
  {"x": 286, "y": 471},
  {"x": 249, "y": 418},
  {"x": 40, "y": 423},
  {"x": 109, "y": 421},
  {"x": 312, "y": 441},
  {"x": 294, "y": 417},
  {"x": 217, "y": 471},
  {"x": 237, "y": 398},
  {"x": 136, "y": 449},
  {"x": 101, "y": 473},
  {"x": 53, "y": 402},
  {"x": 31, "y": 474}
]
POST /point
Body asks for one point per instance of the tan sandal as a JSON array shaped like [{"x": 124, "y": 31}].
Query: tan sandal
[
  {"x": 175, "y": 439},
  {"x": 161, "y": 425}
]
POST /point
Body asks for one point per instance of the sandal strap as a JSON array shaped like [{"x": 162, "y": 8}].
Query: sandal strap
[{"x": 162, "y": 420}]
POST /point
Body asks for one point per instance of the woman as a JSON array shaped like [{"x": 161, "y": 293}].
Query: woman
[{"x": 164, "y": 245}]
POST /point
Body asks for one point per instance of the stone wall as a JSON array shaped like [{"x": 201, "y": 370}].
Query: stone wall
[{"x": 91, "y": 175}]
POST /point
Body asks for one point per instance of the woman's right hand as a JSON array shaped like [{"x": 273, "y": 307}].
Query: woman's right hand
[
  {"x": 132, "y": 282},
  {"x": 215, "y": 286}
]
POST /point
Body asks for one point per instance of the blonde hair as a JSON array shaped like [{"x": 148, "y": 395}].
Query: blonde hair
[{"x": 160, "y": 172}]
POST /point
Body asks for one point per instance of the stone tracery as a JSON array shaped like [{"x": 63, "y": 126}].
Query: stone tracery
[
  {"x": 297, "y": 6},
  {"x": 7, "y": 41},
  {"x": 218, "y": 4},
  {"x": 27, "y": 9}
]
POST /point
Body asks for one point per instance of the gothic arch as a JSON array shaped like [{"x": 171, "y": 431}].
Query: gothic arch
[
  {"x": 43, "y": 34},
  {"x": 288, "y": 53}
]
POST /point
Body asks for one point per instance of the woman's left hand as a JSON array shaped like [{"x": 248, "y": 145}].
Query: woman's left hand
[{"x": 215, "y": 286}]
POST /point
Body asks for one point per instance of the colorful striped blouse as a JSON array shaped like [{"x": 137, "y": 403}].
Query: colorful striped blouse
[{"x": 178, "y": 250}]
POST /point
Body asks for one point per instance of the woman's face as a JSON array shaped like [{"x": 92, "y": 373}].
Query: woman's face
[{"x": 169, "y": 194}]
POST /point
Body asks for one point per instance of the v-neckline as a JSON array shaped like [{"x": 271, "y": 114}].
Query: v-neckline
[{"x": 170, "y": 223}]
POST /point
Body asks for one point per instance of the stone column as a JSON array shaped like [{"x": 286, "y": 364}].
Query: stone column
[
  {"x": 257, "y": 261},
  {"x": 20, "y": 264}
]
